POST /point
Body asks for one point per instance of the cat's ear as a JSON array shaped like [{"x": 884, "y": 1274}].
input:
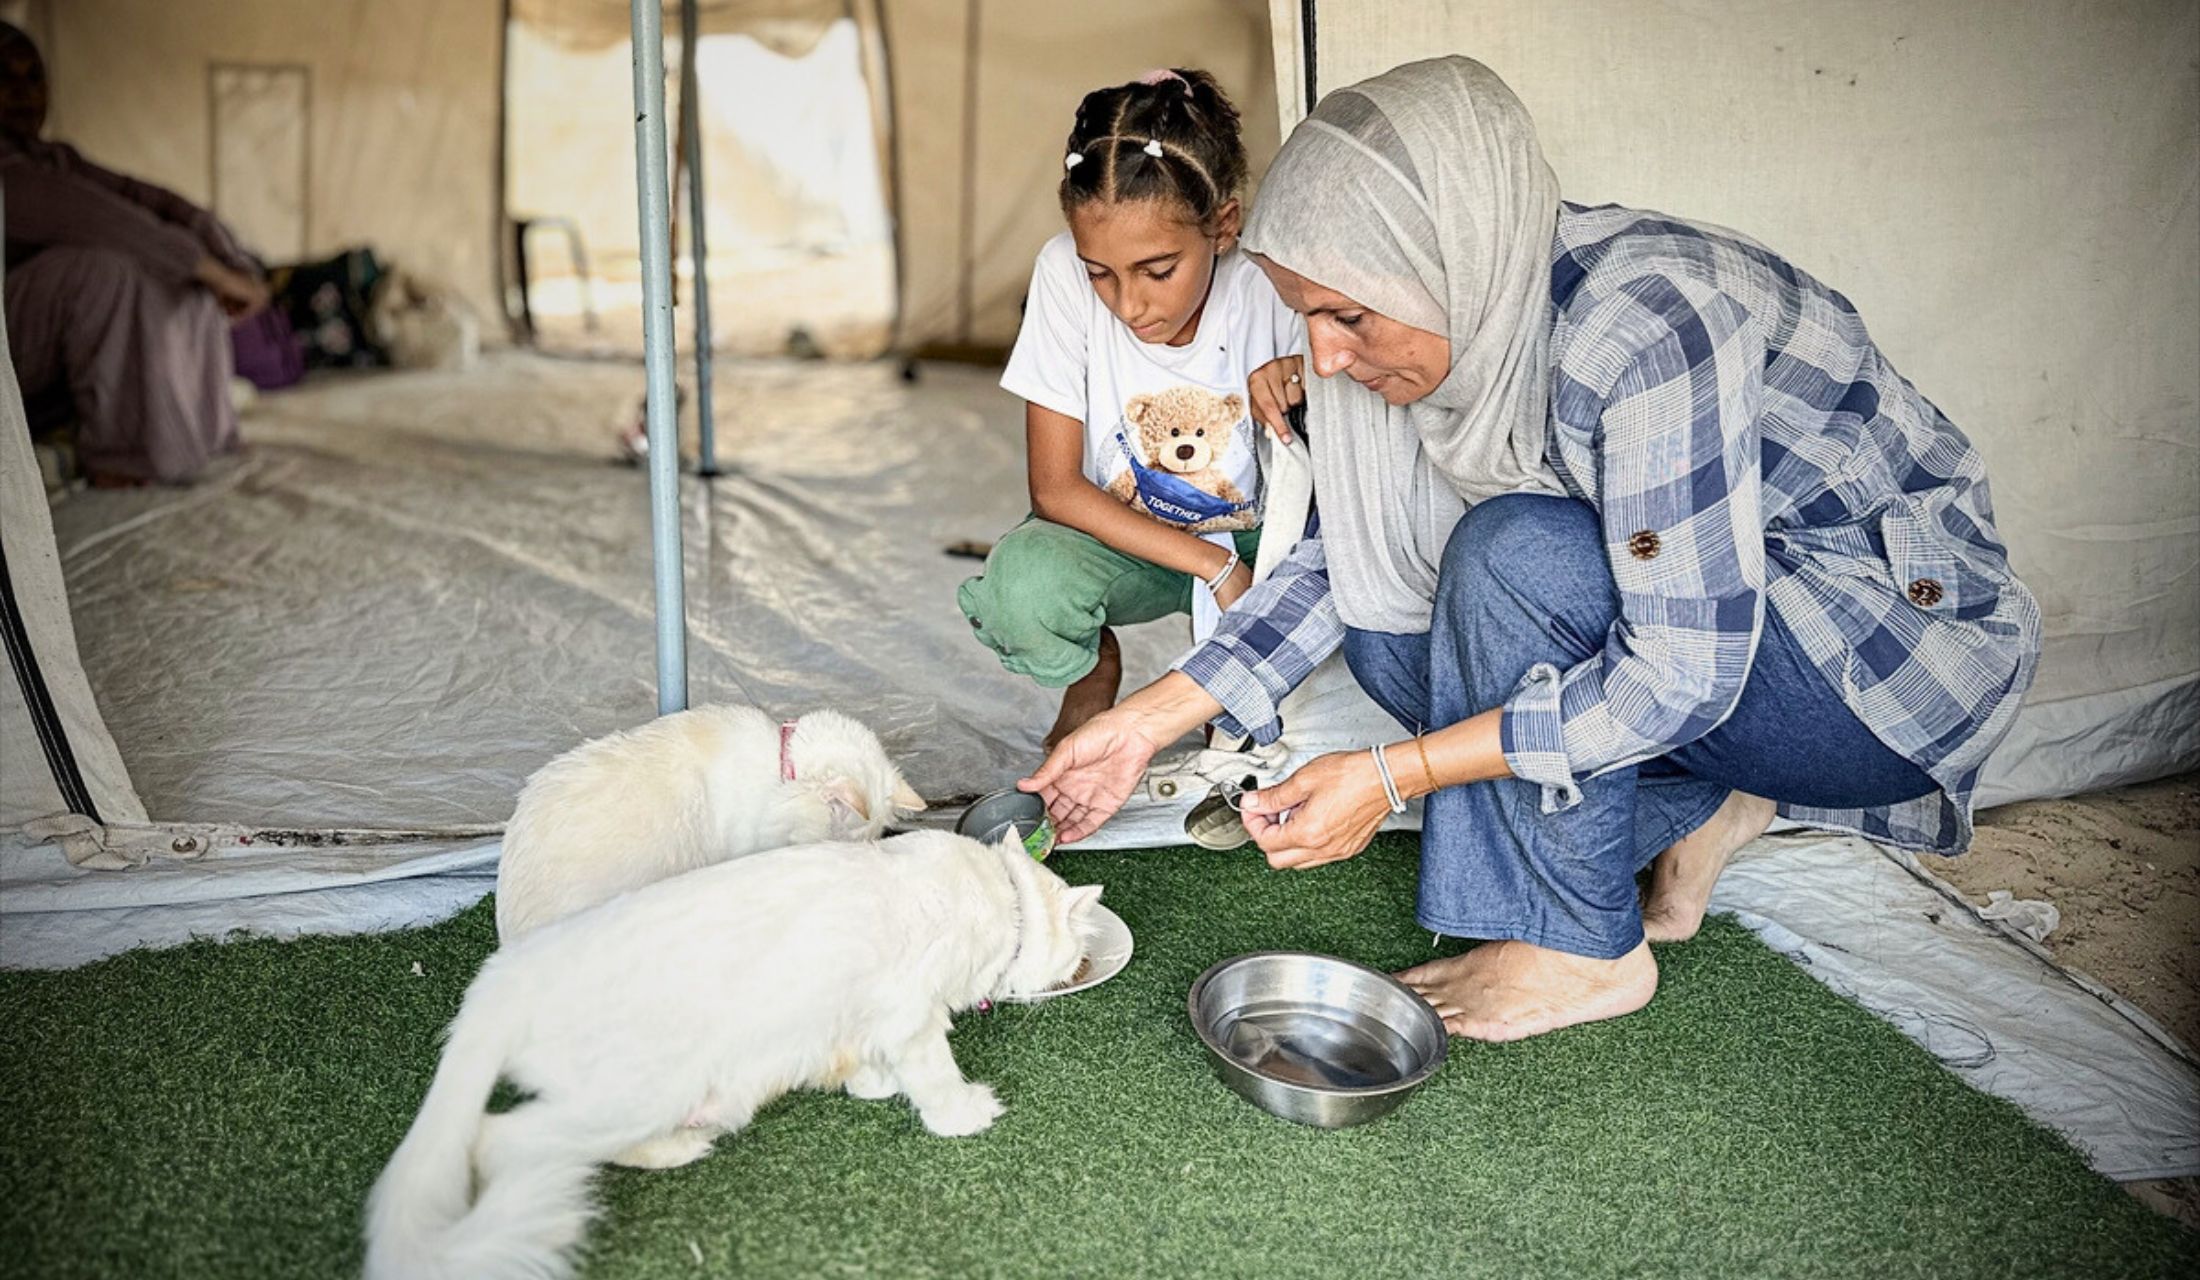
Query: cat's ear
[
  {"x": 848, "y": 807},
  {"x": 1011, "y": 841},
  {"x": 1079, "y": 900},
  {"x": 906, "y": 800}
]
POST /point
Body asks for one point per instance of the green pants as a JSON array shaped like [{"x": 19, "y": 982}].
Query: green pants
[{"x": 1048, "y": 589}]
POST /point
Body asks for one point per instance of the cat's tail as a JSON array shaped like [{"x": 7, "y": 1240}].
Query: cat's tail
[{"x": 424, "y": 1221}]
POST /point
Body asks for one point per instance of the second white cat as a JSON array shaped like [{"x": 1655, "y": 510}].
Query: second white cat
[{"x": 685, "y": 791}]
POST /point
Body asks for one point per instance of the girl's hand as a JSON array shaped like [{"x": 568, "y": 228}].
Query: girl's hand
[
  {"x": 1273, "y": 389},
  {"x": 1237, "y": 584},
  {"x": 1326, "y": 812}
]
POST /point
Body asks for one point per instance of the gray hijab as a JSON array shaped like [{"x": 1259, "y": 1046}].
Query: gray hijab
[{"x": 1423, "y": 195}]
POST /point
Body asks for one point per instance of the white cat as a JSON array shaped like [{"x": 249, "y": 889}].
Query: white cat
[
  {"x": 685, "y": 791},
  {"x": 645, "y": 1027}
]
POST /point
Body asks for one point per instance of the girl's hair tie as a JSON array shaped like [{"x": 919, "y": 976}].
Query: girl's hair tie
[
  {"x": 1153, "y": 148},
  {"x": 1162, "y": 75},
  {"x": 1072, "y": 160}
]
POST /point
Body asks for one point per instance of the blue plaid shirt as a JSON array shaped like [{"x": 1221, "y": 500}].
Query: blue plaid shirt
[{"x": 1709, "y": 394}]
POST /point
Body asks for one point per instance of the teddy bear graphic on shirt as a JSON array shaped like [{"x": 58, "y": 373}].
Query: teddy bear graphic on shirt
[{"x": 1176, "y": 470}]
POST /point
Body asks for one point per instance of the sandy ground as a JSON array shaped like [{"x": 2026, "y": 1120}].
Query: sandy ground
[{"x": 2123, "y": 867}]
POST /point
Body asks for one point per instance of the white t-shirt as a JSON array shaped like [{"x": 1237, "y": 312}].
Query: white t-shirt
[{"x": 1181, "y": 410}]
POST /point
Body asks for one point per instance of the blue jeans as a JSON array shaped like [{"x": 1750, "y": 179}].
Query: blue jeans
[{"x": 1525, "y": 580}]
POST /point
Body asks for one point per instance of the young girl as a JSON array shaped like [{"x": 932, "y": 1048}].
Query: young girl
[{"x": 1144, "y": 332}]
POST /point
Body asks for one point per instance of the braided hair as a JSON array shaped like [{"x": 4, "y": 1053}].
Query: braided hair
[{"x": 1170, "y": 135}]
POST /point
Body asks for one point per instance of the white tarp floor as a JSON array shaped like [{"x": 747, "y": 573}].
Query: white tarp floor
[{"x": 419, "y": 587}]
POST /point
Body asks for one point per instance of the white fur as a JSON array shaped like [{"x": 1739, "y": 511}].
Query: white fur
[
  {"x": 682, "y": 792},
  {"x": 647, "y": 1026}
]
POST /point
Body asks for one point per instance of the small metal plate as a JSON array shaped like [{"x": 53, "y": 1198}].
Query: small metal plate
[{"x": 1107, "y": 953}]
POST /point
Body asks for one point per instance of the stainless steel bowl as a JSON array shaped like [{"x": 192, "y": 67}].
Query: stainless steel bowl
[
  {"x": 990, "y": 817},
  {"x": 1316, "y": 1039}
]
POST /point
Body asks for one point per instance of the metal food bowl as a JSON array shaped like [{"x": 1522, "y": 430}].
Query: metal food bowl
[
  {"x": 989, "y": 818},
  {"x": 1316, "y": 1039}
]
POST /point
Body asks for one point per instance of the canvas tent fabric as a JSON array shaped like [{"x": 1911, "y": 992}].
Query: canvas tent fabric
[
  {"x": 405, "y": 97},
  {"x": 983, "y": 95},
  {"x": 790, "y": 27},
  {"x": 56, "y": 755}
]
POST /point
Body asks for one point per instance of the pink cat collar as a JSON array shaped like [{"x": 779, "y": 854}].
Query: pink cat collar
[{"x": 786, "y": 753}]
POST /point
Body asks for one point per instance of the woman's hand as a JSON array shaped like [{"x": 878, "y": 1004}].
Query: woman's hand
[
  {"x": 1273, "y": 389},
  {"x": 1092, "y": 772},
  {"x": 1326, "y": 812},
  {"x": 241, "y": 297},
  {"x": 1237, "y": 584}
]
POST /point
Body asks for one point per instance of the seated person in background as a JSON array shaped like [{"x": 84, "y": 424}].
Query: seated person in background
[{"x": 119, "y": 295}]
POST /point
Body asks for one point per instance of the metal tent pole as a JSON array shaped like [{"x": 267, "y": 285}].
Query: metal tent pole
[
  {"x": 691, "y": 128},
  {"x": 655, "y": 200}
]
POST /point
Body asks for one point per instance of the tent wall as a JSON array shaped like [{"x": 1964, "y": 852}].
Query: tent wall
[
  {"x": 405, "y": 98},
  {"x": 401, "y": 151},
  {"x": 2008, "y": 190},
  {"x": 983, "y": 93}
]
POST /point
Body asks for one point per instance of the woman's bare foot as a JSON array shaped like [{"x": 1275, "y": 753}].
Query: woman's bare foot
[
  {"x": 1513, "y": 990},
  {"x": 1682, "y": 877},
  {"x": 1091, "y": 695}
]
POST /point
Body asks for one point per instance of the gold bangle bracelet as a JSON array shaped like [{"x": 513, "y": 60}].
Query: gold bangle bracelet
[{"x": 1426, "y": 771}]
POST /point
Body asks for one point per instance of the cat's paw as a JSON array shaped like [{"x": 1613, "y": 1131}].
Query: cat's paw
[
  {"x": 971, "y": 1109},
  {"x": 668, "y": 1151},
  {"x": 872, "y": 1083}
]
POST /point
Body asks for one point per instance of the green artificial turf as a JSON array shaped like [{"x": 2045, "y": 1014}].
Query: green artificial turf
[{"x": 220, "y": 1110}]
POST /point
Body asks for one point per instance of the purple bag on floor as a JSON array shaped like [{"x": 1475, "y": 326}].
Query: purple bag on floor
[{"x": 266, "y": 351}]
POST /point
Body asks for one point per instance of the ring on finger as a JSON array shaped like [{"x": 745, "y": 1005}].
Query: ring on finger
[{"x": 1293, "y": 379}]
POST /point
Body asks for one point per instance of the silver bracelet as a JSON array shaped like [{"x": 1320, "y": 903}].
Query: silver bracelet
[
  {"x": 1222, "y": 575},
  {"x": 1390, "y": 784}
]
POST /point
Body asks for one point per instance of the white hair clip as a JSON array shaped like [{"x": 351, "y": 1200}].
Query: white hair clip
[
  {"x": 1153, "y": 147},
  {"x": 1072, "y": 160}
]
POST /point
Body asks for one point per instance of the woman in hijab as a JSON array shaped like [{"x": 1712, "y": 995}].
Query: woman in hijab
[
  {"x": 116, "y": 297},
  {"x": 1628, "y": 524}
]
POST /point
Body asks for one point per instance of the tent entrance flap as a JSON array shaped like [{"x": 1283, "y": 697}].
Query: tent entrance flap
[
  {"x": 37, "y": 703},
  {"x": 796, "y": 234},
  {"x": 56, "y": 755}
]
